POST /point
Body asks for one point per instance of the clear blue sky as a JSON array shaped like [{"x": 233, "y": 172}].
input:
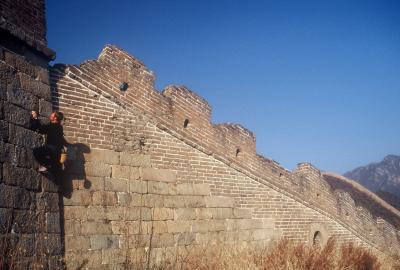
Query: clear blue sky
[{"x": 316, "y": 81}]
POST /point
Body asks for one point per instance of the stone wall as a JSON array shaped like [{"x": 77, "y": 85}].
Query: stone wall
[
  {"x": 30, "y": 231},
  {"x": 172, "y": 132}
]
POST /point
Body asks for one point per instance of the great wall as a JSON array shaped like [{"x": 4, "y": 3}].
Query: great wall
[{"x": 148, "y": 173}]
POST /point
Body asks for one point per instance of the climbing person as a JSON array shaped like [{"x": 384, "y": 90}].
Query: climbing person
[{"x": 49, "y": 154}]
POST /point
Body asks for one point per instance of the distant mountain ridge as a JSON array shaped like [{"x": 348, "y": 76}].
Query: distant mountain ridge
[{"x": 383, "y": 178}]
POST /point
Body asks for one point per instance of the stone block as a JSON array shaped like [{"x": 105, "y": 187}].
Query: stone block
[
  {"x": 159, "y": 227},
  {"x": 24, "y": 137},
  {"x": 126, "y": 172},
  {"x": 246, "y": 224},
  {"x": 5, "y": 220},
  {"x": 138, "y": 186},
  {"x": 105, "y": 198},
  {"x": 50, "y": 201},
  {"x": 203, "y": 213},
  {"x": 124, "y": 198},
  {"x": 115, "y": 213},
  {"x": 53, "y": 222},
  {"x": 75, "y": 212},
  {"x": 182, "y": 201},
  {"x": 52, "y": 244},
  {"x": 153, "y": 200},
  {"x": 25, "y": 221},
  {"x": 97, "y": 169},
  {"x": 35, "y": 87},
  {"x": 201, "y": 189},
  {"x": 48, "y": 185},
  {"x": 185, "y": 214},
  {"x": 135, "y": 160},
  {"x": 79, "y": 198},
  {"x": 22, "y": 177},
  {"x": 1, "y": 109},
  {"x": 77, "y": 243},
  {"x": 116, "y": 184},
  {"x": 45, "y": 107},
  {"x": 138, "y": 199},
  {"x": 4, "y": 131},
  {"x": 138, "y": 213},
  {"x": 94, "y": 183},
  {"x": 163, "y": 214},
  {"x": 179, "y": 226},
  {"x": 162, "y": 240},
  {"x": 104, "y": 242},
  {"x": 16, "y": 115},
  {"x": 157, "y": 187},
  {"x": 23, "y": 99},
  {"x": 102, "y": 156},
  {"x": 242, "y": 213},
  {"x": 221, "y": 213},
  {"x": 14, "y": 197},
  {"x": 219, "y": 201},
  {"x": 95, "y": 228},
  {"x": 160, "y": 175},
  {"x": 8, "y": 151},
  {"x": 185, "y": 239},
  {"x": 113, "y": 256},
  {"x": 72, "y": 227},
  {"x": 184, "y": 189}
]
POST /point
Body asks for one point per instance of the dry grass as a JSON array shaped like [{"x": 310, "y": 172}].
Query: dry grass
[{"x": 283, "y": 255}]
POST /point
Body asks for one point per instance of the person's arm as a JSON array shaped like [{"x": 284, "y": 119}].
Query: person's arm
[{"x": 35, "y": 123}]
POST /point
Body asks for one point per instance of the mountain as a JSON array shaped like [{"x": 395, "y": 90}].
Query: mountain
[{"x": 383, "y": 178}]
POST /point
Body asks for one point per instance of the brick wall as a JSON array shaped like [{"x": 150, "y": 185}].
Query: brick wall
[
  {"x": 172, "y": 130},
  {"x": 30, "y": 231}
]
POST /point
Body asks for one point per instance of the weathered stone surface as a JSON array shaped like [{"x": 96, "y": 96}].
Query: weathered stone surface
[
  {"x": 76, "y": 212},
  {"x": 35, "y": 87},
  {"x": 138, "y": 186},
  {"x": 97, "y": 169},
  {"x": 53, "y": 223},
  {"x": 221, "y": 213},
  {"x": 125, "y": 172},
  {"x": 157, "y": 187},
  {"x": 96, "y": 228},
  {"x": 185, "y": 214},
  {"x": 241, "y": 213},
  {"x": 14, "y": 197},
  {"x": 104, "y": 241},
  {"x": 24, "y": 137},
  {"x": 179, "y": 226},
  {"x": 16, "y": 115},
  {"x": 23, "y": 99},
  {"x": 80, "y": 198},
  {"x": 160, "y": 175},
  {"x": 113, "y": 256},
  {"x": 49, "y": 200},
  {"x": 77, "y": 243},
  {"x": 116, "y": 184},
  {"x": 102, "y": 156},
  {"x": 139, "y": 213},
  {"x": 5, "y": 220},
  {"x": 163, "y": 214},
  {"x": 184, "y": 201},
  {"x": 45, "y": 107},
  {"x": 135, "y": 160},
  {"x": 104, "y": 198},
  {"x": 163, "y": 240},
  {"x": 22, "y": 177},
  {"x": 25, "y": 221},
  {"x": 4, "y": 131},
  {"x": 218, "y": 201}
]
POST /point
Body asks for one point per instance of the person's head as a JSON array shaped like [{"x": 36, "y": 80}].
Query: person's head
[{"x": 56, "y": 117}]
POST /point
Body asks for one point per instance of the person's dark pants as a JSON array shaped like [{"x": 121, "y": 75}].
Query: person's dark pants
[{"x": 48, "y": 156}]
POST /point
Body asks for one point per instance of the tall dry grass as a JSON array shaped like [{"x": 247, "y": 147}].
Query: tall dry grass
[{"x": 282, "y": 255}]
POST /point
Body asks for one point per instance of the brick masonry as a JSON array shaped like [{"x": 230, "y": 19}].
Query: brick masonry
[
  {"x": 206, "y": 181},
  {"x": 148, "y": 174}
]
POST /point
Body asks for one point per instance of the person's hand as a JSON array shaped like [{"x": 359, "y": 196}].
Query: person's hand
[{"x": 34, "y": 114}]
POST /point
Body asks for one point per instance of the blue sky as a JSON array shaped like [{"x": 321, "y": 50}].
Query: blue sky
[{"x": 316, "y": 81}]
